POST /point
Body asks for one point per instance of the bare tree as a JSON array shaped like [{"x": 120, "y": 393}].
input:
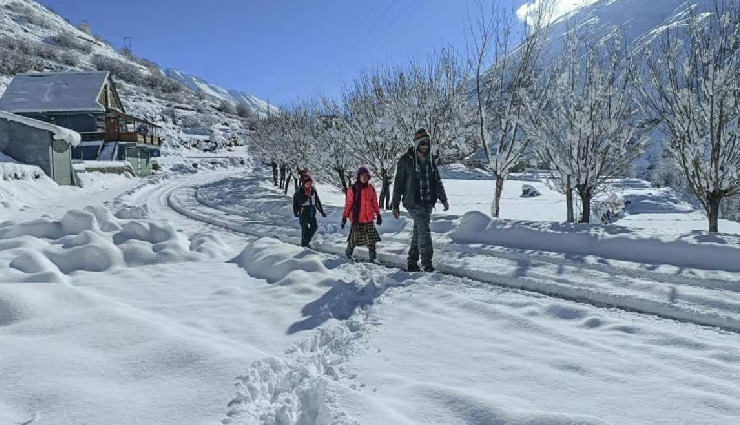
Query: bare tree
[
  {"x": 592, "y": 128},
  {"x": 433, "y": 95},
  {"x": 334, "y": 147},
  {"x": 371, "y": 126},
  {"x": 504, "y": 72},
  {"x": 692, "y": 88}
]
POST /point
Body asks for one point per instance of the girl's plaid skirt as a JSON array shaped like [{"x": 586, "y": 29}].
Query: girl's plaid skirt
[{"x": 363, "y": 234}]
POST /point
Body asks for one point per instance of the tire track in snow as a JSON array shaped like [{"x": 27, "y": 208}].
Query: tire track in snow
[
  {"x": 517, "y": 255},
  {"x": 293, "y": 389},
  {"x": 184, "y": 201}
]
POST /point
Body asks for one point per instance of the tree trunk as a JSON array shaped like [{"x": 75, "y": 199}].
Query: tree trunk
[
  {"x": 340, "y": 170},
  {"x": 569, "y": 201},
  {"x": 584, "y": 193},
  {"x": 287, "y": 183},
  {"x": 274, "y": 173},
  {"x": 714, "y": 201},
  {"x": 496, "y": 206},
  {"x": 385, "y": 192}
]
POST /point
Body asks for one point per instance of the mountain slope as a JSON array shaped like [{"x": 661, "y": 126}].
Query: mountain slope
[
  {"x": 639, "y": 20},
  {"x": 34, "y": 38},
  {"x": 196, "y": 83}
]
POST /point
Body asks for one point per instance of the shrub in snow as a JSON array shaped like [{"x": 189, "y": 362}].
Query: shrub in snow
[
  {"x": 244, "y": 111},
  {"x": 119, "y": 69},
  {"x": 48, "y": 52},
  {"x": 85, "y": 27},
  {"x": 19, "y": 45},
  {"x": 174, "y": 97},
  {"x": 164, "y": 84},
  {"x": 14, "y": 62},
  {"x": 227, "y": 107},
  {"x": 18, "y": 55},
  {"x": 529, "y": 191},
  {"x": 69, "y": 59},
  {"x": 71, "y": 41},
  {"x": 17, "y": 7},
  {"x": 26, "y": 14},
  {"x": 609, "y": 210}
]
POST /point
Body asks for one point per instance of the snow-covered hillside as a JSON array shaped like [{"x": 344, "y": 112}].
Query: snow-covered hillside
[
  {"x": 236, "y": 97},
  {"x": 640, "y": 21},
  {"x": 34, "y": 38}
]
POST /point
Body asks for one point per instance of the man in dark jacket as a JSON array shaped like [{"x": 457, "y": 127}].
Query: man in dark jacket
[
  {"x": 305, "y": 204},
  {"x": 418, "y": 187}
]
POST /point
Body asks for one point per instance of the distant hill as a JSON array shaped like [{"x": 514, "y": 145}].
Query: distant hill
[{"x": 234, "y": 96}]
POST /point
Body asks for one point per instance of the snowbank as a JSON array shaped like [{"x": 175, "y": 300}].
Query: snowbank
[
  {"x": 697, "y": 249},
  {"x": 92, "y": 239},
  {"x": 273, "y": 260},
  {"x": 10, "y": 169},
  {"x": 98, "y": 180}
]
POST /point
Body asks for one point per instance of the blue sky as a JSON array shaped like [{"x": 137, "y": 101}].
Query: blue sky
[{"x": 278, "y": 50}]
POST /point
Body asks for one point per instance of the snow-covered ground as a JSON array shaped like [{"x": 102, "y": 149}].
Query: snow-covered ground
[{"x": 150, "y": 304}]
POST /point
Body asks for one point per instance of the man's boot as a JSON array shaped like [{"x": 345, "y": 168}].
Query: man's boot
[
  {"x": 348, "y": 251},
  {"x": 373, "y": 255},
  {"x": 413, "y": 267}
]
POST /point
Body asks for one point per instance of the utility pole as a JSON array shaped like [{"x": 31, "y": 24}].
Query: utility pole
[{"x": 128, "y": 43}]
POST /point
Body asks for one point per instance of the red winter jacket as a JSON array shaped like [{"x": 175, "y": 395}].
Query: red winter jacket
[{"x": 369, "y": 208}]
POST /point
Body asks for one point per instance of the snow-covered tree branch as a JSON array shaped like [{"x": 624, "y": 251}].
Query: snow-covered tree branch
[
  {"x": 504, "y": 83},
  {"x": 692, "y": 88},
  {"x": 592, "y": 128}
]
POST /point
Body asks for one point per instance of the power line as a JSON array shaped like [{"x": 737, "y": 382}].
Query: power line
[{"x": 372, "y": 27}]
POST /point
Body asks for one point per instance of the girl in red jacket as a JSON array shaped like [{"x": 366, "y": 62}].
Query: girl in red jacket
[{"x": 361, "y": 207}]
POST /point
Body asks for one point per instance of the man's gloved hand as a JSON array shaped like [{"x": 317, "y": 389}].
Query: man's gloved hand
[
  {"x": 379, "y": 220},
  {"x": 446, "y": 205},
  {"x": 344, "y": 222},
  {"x": 323, "y": 214}
]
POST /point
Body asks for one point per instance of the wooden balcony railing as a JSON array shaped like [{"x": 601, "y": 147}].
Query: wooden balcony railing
[{"x": 139, "y": 138}]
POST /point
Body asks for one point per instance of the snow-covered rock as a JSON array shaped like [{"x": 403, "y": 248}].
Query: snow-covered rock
[{"x": 529, "y": 191}]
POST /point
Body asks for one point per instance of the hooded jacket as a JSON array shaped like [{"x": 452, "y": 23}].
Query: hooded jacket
[
  {"x": 406, "y": 182},
  {"x": 369, "y": 208},
  {"x": 305, "y": 205}
]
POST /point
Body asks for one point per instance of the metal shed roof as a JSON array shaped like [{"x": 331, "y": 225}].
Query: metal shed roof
[{"x": 58, "y": 91}]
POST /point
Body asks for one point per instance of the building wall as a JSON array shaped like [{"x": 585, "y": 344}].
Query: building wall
[
  {"x": 81, "y": 123},
  {"x": 85, "y": 152},
  {"x": 26, "y": 144}
]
